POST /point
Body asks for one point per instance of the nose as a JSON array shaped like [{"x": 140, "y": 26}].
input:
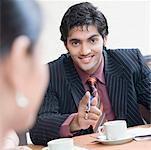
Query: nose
[{"x": 85, "y": 49}]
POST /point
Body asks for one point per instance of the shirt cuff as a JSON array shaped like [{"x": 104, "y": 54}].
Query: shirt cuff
[{"x": 65, "y": 127}]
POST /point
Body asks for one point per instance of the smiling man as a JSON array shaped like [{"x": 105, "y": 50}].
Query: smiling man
[{"x": 122, "y": 80}]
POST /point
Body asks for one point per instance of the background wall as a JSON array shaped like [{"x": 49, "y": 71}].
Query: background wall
[{"x": 128, "y": 25}]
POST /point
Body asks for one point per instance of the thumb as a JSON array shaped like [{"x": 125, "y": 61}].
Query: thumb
[{"x": 86, "y": 98}]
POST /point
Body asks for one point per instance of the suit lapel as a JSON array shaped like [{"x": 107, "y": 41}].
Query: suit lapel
[
  {"x": 74, "y": 81},
  {"x": 116, "y": 85}
]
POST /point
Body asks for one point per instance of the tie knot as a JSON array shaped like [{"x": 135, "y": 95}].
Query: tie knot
[{"x": 91, "y": 82}]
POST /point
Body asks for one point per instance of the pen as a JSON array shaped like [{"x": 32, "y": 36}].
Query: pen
[{"x": 89, "y": 104}]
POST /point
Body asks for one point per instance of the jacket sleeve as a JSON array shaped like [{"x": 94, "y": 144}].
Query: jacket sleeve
[
  {"x": 48, "y": 120},
  {"x": 54, "y": 111}
]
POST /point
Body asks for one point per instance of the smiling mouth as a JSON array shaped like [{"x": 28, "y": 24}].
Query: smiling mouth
[{"x": 86, "y": 60}]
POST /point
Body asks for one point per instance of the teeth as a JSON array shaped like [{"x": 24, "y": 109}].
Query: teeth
[{"x": 86, "y": 59}]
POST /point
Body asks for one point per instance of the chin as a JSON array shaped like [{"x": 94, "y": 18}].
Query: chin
[{"x": 87, "y": 69}]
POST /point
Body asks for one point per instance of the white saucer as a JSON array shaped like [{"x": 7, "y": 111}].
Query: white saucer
[
  {"x": 75, "y": 148},
  {"x": 102, "y": 139}
]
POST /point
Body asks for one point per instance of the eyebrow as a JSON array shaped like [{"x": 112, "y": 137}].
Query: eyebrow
[
  {"x": 95, "y": 35},
  {"x": 74, "y": 39}
]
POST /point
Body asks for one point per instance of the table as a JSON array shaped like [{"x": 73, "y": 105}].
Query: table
[
  {"x": 89, "y": 142},
  {"x": 35, "y": 147}
]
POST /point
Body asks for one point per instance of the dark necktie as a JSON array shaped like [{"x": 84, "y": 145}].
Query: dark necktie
[{"x": 91, "y": 82}]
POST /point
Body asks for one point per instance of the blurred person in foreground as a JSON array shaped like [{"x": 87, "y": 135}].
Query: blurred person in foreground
[
  {"x": 123, "y": 79},
  {"x": 23, "y": 79}
]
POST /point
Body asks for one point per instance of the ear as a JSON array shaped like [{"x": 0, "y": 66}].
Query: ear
[
  {"x": 105, "y": 40},
  {"x": 18, "y": 61},
  {"x": 65, "y": 44}
]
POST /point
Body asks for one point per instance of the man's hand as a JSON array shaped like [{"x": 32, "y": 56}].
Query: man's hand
[{"x": 81, "y": 121}]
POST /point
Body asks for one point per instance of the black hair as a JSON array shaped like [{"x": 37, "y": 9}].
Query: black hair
[
  {"x": 18, "y": 17},
  {"x": 80, "y": 15}
]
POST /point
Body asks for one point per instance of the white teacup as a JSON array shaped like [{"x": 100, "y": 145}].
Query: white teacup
[
  {"x": 114, "y": 130},
  {"x": 61, "y": 144}
]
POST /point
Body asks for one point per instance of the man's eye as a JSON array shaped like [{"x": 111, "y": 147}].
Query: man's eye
[
  {"x": 93, "y": 41},
  {"x": 75, "y": 43}
]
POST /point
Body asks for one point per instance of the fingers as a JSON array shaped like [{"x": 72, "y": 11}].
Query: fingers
[
  {"x": 95, "y": 110},
  {"x": 90, "y": 122},
  {"x": 83, "y": 106},
  {"x": 92, "y": 116},
  {"x": 84, "y": 118},
  {"x": 89, "y": 119},
  {"x": 94, "y": 113},
  {"x": 86, "y": 98}
]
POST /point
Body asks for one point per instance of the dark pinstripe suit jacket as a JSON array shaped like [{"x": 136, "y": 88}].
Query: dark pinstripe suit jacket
[{"x": 128, "y": 81}]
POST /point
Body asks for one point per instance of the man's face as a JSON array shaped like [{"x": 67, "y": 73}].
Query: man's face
[{"x": 85, "y": 46}]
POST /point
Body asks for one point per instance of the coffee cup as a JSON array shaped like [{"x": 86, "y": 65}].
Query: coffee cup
[
  {"x": 114, "y": 130},
  {"x": 60, "y": 144}
]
